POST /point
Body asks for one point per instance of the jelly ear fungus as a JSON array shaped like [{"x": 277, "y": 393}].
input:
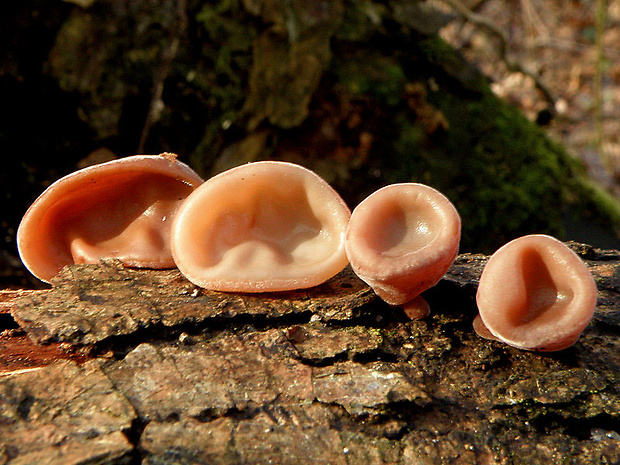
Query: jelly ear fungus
[
  {"x": 535, "y": 294},
  {"x": 261, "y": 227},
  {"x": 120, "y": 209},
  {"x": 401, "y": 240}
]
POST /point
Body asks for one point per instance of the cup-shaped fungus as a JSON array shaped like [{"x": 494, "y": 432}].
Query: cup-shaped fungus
[
  {"x": 401, "y": 240},
  {"x": 261, "y": 227},
  {"x": 535, "y": 294},
  {"x": 120, "y": 209}
]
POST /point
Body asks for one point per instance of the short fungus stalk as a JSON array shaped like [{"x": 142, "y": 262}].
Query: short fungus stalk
[
  {"x": 120, "y": 209},
  {"x": 535, "y": 294},
  {"x": 401, "y": 240},
  {"x": 261, "y": 227}
]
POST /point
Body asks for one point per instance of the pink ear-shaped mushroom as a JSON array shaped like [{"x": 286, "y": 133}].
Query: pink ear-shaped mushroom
[
  {"x": 401, "y": 240},
  {"x": 535, "y": 294},
  {"x": 120, "y": 209},
  {"x": 261, "y": 227}
]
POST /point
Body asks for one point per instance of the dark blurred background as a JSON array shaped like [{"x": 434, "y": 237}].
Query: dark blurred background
[{"x": 365, "y": 93}]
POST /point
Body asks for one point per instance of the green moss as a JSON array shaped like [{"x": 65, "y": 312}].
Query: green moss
[
  {"x": 219, "y": 77},
  {"x": 502, "y": 171},
  {"x": 372, "y": 75},
  {"x": 511, "y": 177},
  {"x": 595, "y": 202},
  {"x": 375, "y": 333},
  {"x": 506, "y": 177},
  {"x": 229, "y": 40},
  {"x": 361, "y": 20}
]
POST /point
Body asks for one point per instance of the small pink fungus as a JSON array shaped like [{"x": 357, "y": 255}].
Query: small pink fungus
[
  {"x": 401, "y": 240},
  {"x": 535, "y": 294},
  {"x": 261, "y": 227},
  {"x": 119, "y": 209}
]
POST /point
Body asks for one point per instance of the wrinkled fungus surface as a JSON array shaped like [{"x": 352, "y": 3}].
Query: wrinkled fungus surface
[
  {"x": 536, "y": 294},
  {"x": 261, "y": 227},
  {"x": 121, "y": 209},
  {"x": 402, "y": 239}
]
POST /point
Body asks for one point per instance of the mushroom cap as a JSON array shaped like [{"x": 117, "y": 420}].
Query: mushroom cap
[
  {"x": 261, "y": 227},
  {"x": 119, "y": 209},
  {"x": 536, "y": 294},
  {"x": 402, "y": 239}
]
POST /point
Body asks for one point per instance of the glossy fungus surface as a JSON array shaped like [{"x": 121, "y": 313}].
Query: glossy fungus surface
[
  {"x": 536, "y": 294},
  {"x": 402, "y": 239},
  {"x": 261, "y": 227},
  {"x": 120, "y": 209}
]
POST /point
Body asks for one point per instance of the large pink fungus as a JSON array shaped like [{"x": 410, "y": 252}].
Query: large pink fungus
[
  {"x": 401, "y": 240},
  {"x": 120, "y": 209},
  {"x": 535, "y": 294},
  {"x": 261, "y": 227}
]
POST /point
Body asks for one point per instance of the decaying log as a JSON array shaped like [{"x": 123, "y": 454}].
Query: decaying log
[
  {"x": 163, "y": 372},
  {"x": 63, "y": 413},
  {"x": 90, "y": 303},
  {"x": 8, "y": 296}
]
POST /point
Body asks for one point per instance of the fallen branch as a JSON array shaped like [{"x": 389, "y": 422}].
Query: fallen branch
[{"x": 328, "y": 373}]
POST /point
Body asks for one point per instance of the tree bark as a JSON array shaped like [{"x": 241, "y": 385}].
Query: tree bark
[{"x": 140, "y": 366}]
